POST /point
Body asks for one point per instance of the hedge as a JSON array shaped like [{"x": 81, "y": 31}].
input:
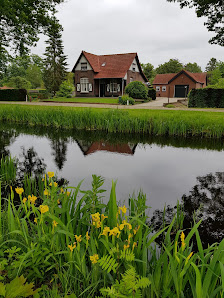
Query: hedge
[
  {"x": 152, "y": 93},
  {"x": 137, "y": 90},
  {"x": 206, "y": 98},
  {"x": 13, "y": 95}
]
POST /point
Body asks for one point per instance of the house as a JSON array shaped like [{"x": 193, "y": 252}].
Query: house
[
  {"x": 178, "y": 84},
  {"x": 106, "y": 75},
  {"x": 5, "y": 88}
]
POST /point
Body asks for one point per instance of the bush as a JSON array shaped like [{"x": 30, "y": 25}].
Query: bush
[
  {"x": 151, "y": 93},
  {"x": 206, "y": 98},
  {"x": 19, "y": 83},
  {"x": 124, "y": 99},
  {"x": 65, "y": 90},
  {"x": 38, "y": 94},
  {"x": 13, "y": 95},
  {"x": 137, "y": 90}
]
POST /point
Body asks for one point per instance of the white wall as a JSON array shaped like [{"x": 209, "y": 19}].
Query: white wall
[
  {"x": 83, "y": 60},
  {"x": 136, "y": 66}
]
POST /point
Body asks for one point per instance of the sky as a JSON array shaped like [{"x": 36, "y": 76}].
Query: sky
[{"x": 156, "y": 29}]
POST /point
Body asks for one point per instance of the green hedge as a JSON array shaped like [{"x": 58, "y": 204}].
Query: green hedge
[
  {"x": 13, "y": 95},
  {"x": 152, "y": 93},
  {"x": 206, "y": 98},
  {"x": 137, "y": 90}
]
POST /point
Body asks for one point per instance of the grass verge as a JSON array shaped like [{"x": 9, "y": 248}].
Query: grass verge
[
  {"x": 107, "y": 100},
  {"x": 153, "y": 122}
]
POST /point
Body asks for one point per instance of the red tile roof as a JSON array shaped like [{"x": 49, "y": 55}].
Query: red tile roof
[
  {"x": 164, "y": 79},
  {"x": 5, "y": 87},
  {"x": 111, "y": 66}
]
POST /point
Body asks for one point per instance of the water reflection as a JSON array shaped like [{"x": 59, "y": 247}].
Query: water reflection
[
  {"x": 59, "y": 151},
  {"x": 205, "y": 201}
]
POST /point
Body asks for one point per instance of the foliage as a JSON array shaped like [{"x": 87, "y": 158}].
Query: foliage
[
  {"x": 172, "y": 66},
  {"x": 34, "y": 76},
  {"x": 55, "y": 60},
  {"x": 206, "y": 98},
  {"x": 13, "y": 95},
  {"x": 213, "y": 10},
  {"x": 18, "y": 83},
  {"x": 136, "y": 90},
  {"x": 65, "y": 90},
  {"x": 211, "y": 65},
  {"x": 193, "y": 67},
  {"x": 151, "y": 93},
  {"x": 149, "y": 71},
  {"x": 218, "y": 85},
  {"x": 123, "y": 100}
]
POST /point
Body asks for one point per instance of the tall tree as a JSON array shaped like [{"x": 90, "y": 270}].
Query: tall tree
[
  {"x": 172, "y": 66},
  {"x": 212, "y": 64},
  {"x": 149, "y": 71},
  {"x": 213, "y": 10},
  {"x": 193, "y": 67},
  {"x": 55, "y": 60}
]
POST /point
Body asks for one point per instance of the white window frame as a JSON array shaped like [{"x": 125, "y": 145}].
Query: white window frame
[
  {"x": 113, "y": 87},
  {"x": 83, "y": 66},
  {"x": 163, "y": 88},
  {"x": 157, "y": 88},
  {"x": 84, "y": 83},
  {"x": 131, "y": 80}
]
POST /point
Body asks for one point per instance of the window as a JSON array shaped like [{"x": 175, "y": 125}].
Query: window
[
  {"x": 157, "y": 88},
  {"x": 84, "y": 82},
  {"x": 131, "y": 80},
  {"x": 164, "y": 88},
  {"x": 133, "y": 66},
  {"x": 84, "y": 66},
  {"x": 113, "y": 87}
]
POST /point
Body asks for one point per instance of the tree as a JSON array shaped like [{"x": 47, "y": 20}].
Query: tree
[
  {"x": 34, "y": 76},
  {"x": 193, "y": 67},
  {"x": 18, "y": 83},
  {"x": 149, "y": 71},
  {"x": 213, "y": 10},
  {"x": 214, "y": 76},
  {"x": 172, "y": 66},
  {"x": 212, "y": 64},
  {"x": 55, "y": 60}
]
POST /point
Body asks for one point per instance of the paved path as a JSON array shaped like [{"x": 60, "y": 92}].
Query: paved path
[{"x": 157, "y": 104}]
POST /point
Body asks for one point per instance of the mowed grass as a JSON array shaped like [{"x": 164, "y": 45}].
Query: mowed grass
[
  {"x": 110, "y": 100},
  {"x": 154, "y": 122}
]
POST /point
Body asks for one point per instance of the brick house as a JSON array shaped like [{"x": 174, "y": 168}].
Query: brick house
[
  {"x": 178, "y": 84},
  {"x": 106, "y": 75}
]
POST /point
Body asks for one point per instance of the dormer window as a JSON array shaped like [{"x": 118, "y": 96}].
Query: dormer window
[{"x": 84, "y": 66}]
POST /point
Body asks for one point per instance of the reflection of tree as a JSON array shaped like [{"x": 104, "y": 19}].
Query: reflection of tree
[
  {"x": 206, "y": 202},
  {"x": 31, "y": 164},
  {"x": 6, "y": 138},
  {"x": 59, "y": 147}
]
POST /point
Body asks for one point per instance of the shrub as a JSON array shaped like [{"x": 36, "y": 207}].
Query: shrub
[
  {"x": 206, "y": 98},
  {"x": 19, "y": 83},
  {"x": 124, "y": 99},
  {"x": 65, "y": 90},
  {"x": 151, "y": 93},
  {"x": 137, "y": 90},
  {"x": 13, "y": 95}
]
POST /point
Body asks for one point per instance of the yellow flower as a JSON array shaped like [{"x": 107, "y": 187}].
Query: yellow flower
[
  {"x": 44, "y": 208},
  {"x": 188, "y": 258},
  {"x": 123, "y": 209},
  {"x": 58, "y": 201},
  {"x": 24, "y": 200},
  {"x": 55, "y": 184},
  {"x": 46, "y": 192},
  {"x": 35, "y": 220},
  {"x": 106, "y": 230},
  {"x": 182, "y": 237},
  {"x": 32, "y": 199},
  {"x": 96, "y": 217},
  {"x": 136, "y": 230},
  {"x": 129, "y": 237},
  {"x": 87, "y": 236},
  {"x": 94, "y": 259},
  {"x": 71, "y": 247},
  {"x": 19, "y": 190},
  {"x": 50, "y": 184},
  {"x": 50, "y": 174},
  {"x": 42, "y": 179},
  {"x": 78, "y": 238},
  {"x": 125, "y": 223},
  {"x": 134, "y": 245},
  {"x": 68, "y": 193},
  {"x": 115, "y": 232},
  {"x": 103, "y": 217},
  {"x": 126, "y": 246},
  {"x": 54, "y": 223},
  {"x": 62, "y": 190}
]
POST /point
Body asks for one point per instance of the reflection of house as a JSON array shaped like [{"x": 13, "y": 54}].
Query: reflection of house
[
  {"x": 89, "y": 147},
  {"x": 106, "y": 75},
  {"x": 178, "y": 84}
]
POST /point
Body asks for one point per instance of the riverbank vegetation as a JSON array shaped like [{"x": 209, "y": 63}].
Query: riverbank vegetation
[
  {"x": 148, "y": 122},
  {"x": 70, "y": 242}
]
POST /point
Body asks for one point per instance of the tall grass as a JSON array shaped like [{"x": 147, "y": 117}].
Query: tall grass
[
  {"x": 155, "y": 122},
  {"x": 72, "y": 243}
]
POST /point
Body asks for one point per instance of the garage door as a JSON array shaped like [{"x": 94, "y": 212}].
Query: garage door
[{"x": 181, "y": 90}]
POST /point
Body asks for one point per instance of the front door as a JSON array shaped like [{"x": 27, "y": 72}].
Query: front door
[{"x": 102, "y": 90}]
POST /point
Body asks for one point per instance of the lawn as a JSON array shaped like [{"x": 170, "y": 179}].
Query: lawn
[{"x": 108, "y": 100}]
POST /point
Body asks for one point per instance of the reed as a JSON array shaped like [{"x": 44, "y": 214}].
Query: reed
[{"x": 148, "y": 122}]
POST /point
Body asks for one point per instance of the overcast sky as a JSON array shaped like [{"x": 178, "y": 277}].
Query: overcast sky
[{"x": 156, "y": 29}]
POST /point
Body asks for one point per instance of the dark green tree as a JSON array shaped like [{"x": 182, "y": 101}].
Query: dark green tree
[
  {"x": 149, "y": 71},
  {"x": 172, "y": 66},
  {"x": 193, "y": 67},
  {"x": 213, "y": 10},
  {"x": 55, "y": 60},
  {"x": 212, "y": 64}
]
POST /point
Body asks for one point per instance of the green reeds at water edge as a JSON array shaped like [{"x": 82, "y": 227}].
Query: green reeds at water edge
[
  {"x": 154, "y": 122},
  {"x": 69, "y": 243}
]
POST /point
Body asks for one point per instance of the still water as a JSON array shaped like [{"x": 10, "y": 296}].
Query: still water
[{"x": 166, "y": 169}]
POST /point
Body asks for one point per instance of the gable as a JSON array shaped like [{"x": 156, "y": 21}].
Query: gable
[
  {"x": 135, "y": 65},
  {"x": 81, "y": 60}
]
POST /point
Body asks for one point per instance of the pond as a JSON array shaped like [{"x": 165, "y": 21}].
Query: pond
[{"x": 166, "y": 169}]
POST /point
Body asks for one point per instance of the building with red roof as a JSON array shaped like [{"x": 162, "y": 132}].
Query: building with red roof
[
  {"x": 178, "y": 84},
  {"x": 106, "y": 75}
]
